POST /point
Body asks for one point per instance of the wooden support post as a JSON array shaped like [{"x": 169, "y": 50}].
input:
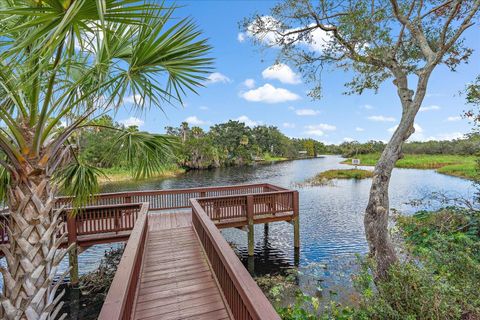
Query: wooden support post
[
  {"x": 265, "y": 227},
  {"x": 296, "y": 221},
  {"x": 73, "y": 253},
  {"x": 251, "y": 230}
]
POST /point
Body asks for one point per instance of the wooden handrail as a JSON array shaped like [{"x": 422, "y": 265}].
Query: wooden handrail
[
  {"x": 121, "y": 295},
  {"x": 245, "y": 299},
  {"x": 283, "y": 191},
  {"x": 179, "y": 191}
]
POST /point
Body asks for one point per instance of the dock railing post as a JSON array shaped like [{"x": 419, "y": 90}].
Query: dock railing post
[
  {"x": 73, "y": 252},
  {"x": 296, "y": 221},
  {"x": 251, "y": 237}
]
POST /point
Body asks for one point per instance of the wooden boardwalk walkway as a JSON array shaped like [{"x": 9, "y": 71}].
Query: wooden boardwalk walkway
[
  {"x": 177, "y": 264},
  {"x": 176, "y": 281}
]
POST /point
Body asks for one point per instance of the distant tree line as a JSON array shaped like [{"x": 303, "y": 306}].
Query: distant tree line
[
  {"x": 230, "y": 143},
  {"x": 234, "y": 143},
  {"x": 467, "y": 146}
]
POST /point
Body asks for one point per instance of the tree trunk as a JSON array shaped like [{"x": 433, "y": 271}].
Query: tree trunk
[
  {"x": 377, "y": 211},
  {"x": 33, "y": 254}
]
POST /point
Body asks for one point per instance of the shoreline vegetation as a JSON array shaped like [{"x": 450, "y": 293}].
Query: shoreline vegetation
[
  {"x": 324, "y": 177},
  {"x": 462, "y": 166},
  {"x": 124, "y": 174}
]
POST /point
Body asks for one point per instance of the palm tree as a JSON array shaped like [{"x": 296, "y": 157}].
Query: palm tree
[{"x": 63, "y": 64}]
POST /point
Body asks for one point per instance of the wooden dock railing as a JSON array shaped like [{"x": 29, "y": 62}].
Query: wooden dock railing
[
  {"x": 93, "y": 220},
  {"x": 124, "y": 285},
  {"x": 237, "y": 209},
  {"x": 172, "y": 198},
  {"x": 245, "y": 299}
]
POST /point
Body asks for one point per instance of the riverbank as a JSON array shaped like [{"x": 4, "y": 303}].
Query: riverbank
[
  {"x": 453, "y": 165},
  {"x": 122, "y": 174},
  {"x": 325, "y": 176}
]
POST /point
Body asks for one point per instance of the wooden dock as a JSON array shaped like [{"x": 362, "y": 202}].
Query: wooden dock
[
  {"x": 176, "y": 263},
  {"x": 176, "y": 280}
]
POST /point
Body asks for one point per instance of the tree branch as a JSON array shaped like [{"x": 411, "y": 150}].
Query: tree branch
[{"x": 417, "y": 33}]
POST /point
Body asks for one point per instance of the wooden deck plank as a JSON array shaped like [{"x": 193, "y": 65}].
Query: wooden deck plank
[{"x": 176, "y": 281}]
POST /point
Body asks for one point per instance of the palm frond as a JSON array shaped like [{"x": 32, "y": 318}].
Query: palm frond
[
  {"x": 4, "y": 183},
  {"x": 166, "y": 60},
  {"x": 146, "y": 154},
  {"x": 80, "y": 181}
]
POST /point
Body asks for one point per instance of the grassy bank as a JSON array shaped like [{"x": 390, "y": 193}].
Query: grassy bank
[
  {"x": 325, "y": 176},
  {"x": 268, "y": 158},
  {"x": 454, "y": 165},
  {"x": 122, "y": 174}
]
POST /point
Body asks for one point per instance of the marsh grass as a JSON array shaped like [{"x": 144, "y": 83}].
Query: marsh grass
[
  {"x": 324, "y": 177},
  {"x": 454, "y": 165}
]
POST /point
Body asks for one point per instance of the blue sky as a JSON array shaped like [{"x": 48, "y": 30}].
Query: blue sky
[{"x": 244, "y": 88}]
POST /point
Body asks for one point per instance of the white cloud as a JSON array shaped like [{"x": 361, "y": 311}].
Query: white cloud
[
  {"x": 241, "y": 37},
  {"x": 132, "y": 121},
  {"x": 306, "y": 112},
  {"x": 381, "y": 119},
  {"x": 440, "y": 137},
  {"x": 454, "y": 118},
  {"x": 316, "y": 40},
  {"x": 281, "y": 72},
  {"x": 133, "y": 99},
  {"x": 203, "y": 108},
  {"x": 195, "y": 121},
  {"x": 348, "y": 139},
  {"x": 249, "y": 83},
  {"x": 367, "y": 106},
  {"x": 289, "y": 125},
  {"x": 248, "y": 122},
  {"x": 319, "y": 129},
  {"x": 359, "y": 129},
  {"x": 448, "y": 136},
  {"x": 429, "y": 108},
  {"x": 218, "y": 77},
  {"x": 269, "y": 94}
]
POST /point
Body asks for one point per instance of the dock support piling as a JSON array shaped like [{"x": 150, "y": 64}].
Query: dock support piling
[
  {"x": 296, "y": 221},
  {"x": 251, "y": 229},
  {"x": 73, "y": 263},
  {"x": 73, "y": 251}
]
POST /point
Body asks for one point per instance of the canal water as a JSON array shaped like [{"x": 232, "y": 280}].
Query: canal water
[{"x": 331, "y": 217}]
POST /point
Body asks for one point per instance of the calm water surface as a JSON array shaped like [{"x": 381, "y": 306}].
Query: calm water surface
[{"x": 331, "y": 217}]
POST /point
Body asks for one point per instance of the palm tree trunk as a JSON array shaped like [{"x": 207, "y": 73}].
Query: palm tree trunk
[{"x": 33, "y": 254}]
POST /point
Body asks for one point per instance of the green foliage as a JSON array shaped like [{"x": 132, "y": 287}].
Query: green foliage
[
  {"x": 144, "y": 153},
  {"x": 4, "y": 183},
  {"x": 356, "y": 174},
  {"x": 80, "y": 181},
  {"x": 66, "y": 62},
  {"x": 440, "y": 282},
  {"x": 467, "y": 146},
  {"x": 456, "y": 165},
  {"x": 234, "y": 143},
  {"x": 305, "y": 308},
  {"x": 374, "y": 41}
]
